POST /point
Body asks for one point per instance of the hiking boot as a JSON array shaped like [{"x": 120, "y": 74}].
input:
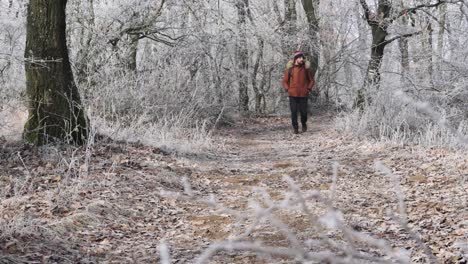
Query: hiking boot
[
  {"x": 304, "y": 128},
  {"x": 296, "y": 131}
]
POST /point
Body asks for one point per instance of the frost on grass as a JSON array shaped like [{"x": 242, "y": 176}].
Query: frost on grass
[{"x": 401, "y": 118}]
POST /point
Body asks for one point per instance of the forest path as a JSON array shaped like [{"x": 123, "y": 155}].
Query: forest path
[
  {"x": 260, "y": 152},
  {"x": 120, "y": 211}
]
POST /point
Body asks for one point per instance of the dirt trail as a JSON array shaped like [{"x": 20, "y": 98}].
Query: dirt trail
[
  {"x": 261, "y": 151},
  {"x": 118, "y": 214}
]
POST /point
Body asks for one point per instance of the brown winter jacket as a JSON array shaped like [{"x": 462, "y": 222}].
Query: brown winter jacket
[{"x": 298, "y": 85}]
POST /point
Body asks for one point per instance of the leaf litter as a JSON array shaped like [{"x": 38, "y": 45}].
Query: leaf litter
[{"x": 51, "y": 211}]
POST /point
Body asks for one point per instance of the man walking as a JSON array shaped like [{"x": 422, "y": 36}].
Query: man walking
[{"x": 298, "y": 81}]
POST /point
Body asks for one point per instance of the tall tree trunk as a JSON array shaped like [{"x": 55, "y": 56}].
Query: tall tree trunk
[
  {"x": 290, "y": 17},
  {"x": 55, "y": 110},
  {"x": 377, "y": 22},
  {"x": 430, "y": 51},
  {"x": 131, "y": 56},
  {"x": 372, "y": 78},
  {"x": 290, "y": 28},
  {"x": 288, "y": 46},
  {"x": 404, "y": 51},
  {"x": 313, "y": 47},
  {"x": 258, "y": 92},
  {"x": 442, "y": 19},
  {"x": 440, "y": 37},
  {"x": 377, "y": 52},
  {"x": 405, "y": 65},
  {"x": 242, "y": 56}
]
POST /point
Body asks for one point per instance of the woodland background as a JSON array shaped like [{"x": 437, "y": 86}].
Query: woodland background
[
  {"x": 192, "y": 63},
  {"x": 190, "y": 137}
]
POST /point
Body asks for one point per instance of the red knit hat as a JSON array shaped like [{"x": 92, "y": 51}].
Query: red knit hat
[{"x": 298, "y": 54}]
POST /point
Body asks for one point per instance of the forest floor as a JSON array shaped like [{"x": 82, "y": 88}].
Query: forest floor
[{"x": 115, "y": 203}]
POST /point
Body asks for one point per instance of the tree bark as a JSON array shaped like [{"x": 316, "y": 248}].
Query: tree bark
[
  {"x": 289, "y": 29},
  {"x": 430, "y": 51},
  {"x": 372, "y": 78},
  {"x": 54, "y": 104},
  {"x": 441, "y": 33},
  {"x": 405, "y": 65},
  {"x": 313, "y": 22},
  {"x": 404, "y": 51},
  {"x": 379, "y": 34},
  {"x": 290, "y": 17},
  {"x": 379, "y": 25},
  {"x": 242, "y": 56},
  {"x": 288, "y": 43},
  {"x": 131, "y": 56},
  {"x": 258, "y": 92}
]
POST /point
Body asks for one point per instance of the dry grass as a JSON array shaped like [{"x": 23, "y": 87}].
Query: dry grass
[{"x": 103, "y": 202}]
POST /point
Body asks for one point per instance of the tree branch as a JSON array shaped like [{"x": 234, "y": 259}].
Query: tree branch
[
  {"x": 249, "y": 11},
  {"x": 159, "y": 11},
  {"x": 388, "y": 41},
  {"x": 154, "y": 36},
  {"x": 278, "y": 13},
  {"x": 367, "y": 12},
  {"x": 165, "y": 42},
  {"x": 416, "y": 8}
]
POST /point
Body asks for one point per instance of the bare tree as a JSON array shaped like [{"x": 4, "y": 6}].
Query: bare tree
[
  {"x": 242, "y": 55},
  {"x": 380, "y": 20},
  {"x": 310, "y": 8},
  {"x": 442, "y": 24},
  {"x": 288, "y": 27},
  {"x": 55, "y": 110}
]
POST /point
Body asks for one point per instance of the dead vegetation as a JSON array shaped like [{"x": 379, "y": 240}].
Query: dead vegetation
[{"x": 57, "y": 207}]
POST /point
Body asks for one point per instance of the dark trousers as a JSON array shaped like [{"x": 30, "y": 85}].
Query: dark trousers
[{"x": 298, "y": 104}]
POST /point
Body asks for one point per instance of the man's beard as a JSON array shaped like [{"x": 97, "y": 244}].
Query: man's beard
[{"x": 300, "y": 63}]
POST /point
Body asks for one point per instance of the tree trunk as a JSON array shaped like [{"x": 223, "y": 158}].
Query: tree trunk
[
  {"x": 257, "y": 91},
  {"x": 55, "y": 110},
  {"x": 313, "y": 22},
  {"x": 288, "y": 33},
  {"x": 290, "y": 15},
  {"x": 372, "y": 78},
  {"x": 312, "y": 48},
  {"x": 430, "y": 51},
  {"x": 363, "y": 39},
  {"x": 442, "y": 19},
  {"x": 377, "y": 22},
  {"x": 405, "y": 65},
  {"x": 377, "y": 52},
  {"x": 404, "y": 51},
  {"x": 242, "y": 56},
  {"x": 289, "y": 29},
  {"x": 131, "y": 56}
]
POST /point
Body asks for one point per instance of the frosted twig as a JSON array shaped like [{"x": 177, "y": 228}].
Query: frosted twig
[{"x": 28, "y": 173}]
